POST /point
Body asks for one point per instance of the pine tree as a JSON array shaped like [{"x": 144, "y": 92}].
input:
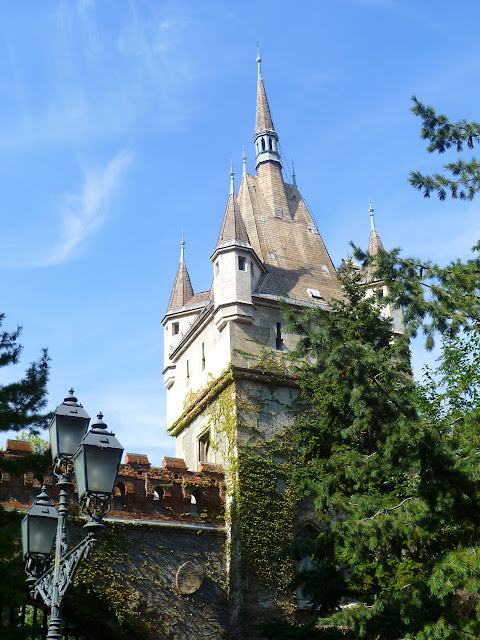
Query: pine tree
[
  {"x": 392, "y": 464},
  {"x": 444, "y": 134},
  {"x": 21, "y": 409}
]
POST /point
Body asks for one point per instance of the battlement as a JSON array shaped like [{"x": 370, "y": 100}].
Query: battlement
[{"x": 169, "y": 493}]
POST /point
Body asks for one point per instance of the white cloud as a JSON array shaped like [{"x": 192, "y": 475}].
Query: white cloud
[{"x": 84, "y": 212}]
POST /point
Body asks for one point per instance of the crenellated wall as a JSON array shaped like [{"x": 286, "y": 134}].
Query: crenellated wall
[{"x": 169, "y": 493}]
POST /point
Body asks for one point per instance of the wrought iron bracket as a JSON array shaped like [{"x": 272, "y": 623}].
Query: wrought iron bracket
[{"x": 43, "y": 587}]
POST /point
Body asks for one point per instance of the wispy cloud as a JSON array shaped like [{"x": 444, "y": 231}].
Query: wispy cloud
[{"x": 84, "y": 212}]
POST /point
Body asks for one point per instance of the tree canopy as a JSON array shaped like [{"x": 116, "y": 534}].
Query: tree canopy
[
  {"x": 392, "y": 463},
  {"x": 22, "y": 405},
  {"x": 463, "y": 176}
]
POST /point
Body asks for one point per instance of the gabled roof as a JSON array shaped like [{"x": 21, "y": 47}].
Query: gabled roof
[{"x": 182, "y": 290}]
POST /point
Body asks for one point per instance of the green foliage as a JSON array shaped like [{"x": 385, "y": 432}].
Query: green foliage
[
  {"x": 37, "y": 443},
  {"x": 393, "y": 467},
  {"x": 444, "y": 134},
  {"x": 21, "y": 402},
  {"x": 434, "y": 299},
  {"x": 21, "y": 406}
]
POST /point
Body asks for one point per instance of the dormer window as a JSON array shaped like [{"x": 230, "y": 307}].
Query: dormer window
[
  {"x": 315, "y": 295},
  {"x": 242, "y": 263}
]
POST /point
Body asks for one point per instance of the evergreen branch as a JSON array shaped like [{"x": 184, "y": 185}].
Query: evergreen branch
[{"x": 390, "y": 509}]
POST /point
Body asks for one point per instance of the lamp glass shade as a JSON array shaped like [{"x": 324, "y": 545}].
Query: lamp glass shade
[
  {"x": 66, "y": 433},
  {"x": 39, "y": 531},
  {"x": 96, "y": 465}
]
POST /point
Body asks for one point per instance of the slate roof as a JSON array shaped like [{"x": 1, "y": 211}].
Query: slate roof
[
  {"x": 233, "y": 226},
  {"x": 182, "y": 291},
  {"x": 263, "y": 119},
  {"x": 285, "y": 237},
  {"x": 374, "y": 243}
]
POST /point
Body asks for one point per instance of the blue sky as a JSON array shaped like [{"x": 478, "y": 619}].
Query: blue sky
[{"x": 118, "y": 121}]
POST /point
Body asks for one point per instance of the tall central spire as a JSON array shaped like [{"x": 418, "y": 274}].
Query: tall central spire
[{"x": 265, "y": 138}]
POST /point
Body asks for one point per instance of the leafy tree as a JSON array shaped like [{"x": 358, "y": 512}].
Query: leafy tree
[
  {"x": 38, "y": 444},
  {"x": 392, "y": 465},
  {"x": 442, "y": 135},
  {"x": 21, "y": 409}
]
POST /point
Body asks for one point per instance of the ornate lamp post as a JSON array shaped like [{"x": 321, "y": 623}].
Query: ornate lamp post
[{"x": 94, "y": 456}]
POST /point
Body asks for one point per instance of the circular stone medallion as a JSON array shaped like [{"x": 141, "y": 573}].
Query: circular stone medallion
[{"x": 189, "y": 578}]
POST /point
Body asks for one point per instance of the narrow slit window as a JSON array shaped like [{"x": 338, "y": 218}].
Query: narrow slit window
[
  {"x": 270, "y": 144},
  {"x": 158, "y": 500},
  {"x": 204, "y": 447},
  {"x": 278, "y": 339},
  {"x": 263, "y": 144},
  {"x": 175, "y": 328},
  {"x": 203, "y": 356},
  {"x": 188, "y": 370},
  {"x": 242, "y": 263}
]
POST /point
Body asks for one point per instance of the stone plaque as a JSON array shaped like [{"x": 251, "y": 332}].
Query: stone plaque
[{"x": 189, "y": 578}]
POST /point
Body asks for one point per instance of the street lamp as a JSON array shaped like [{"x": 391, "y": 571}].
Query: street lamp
[{"x": 95, "y": 457}]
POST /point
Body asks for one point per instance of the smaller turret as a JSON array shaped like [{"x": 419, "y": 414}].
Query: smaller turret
[{"x": 236, "y": 267}]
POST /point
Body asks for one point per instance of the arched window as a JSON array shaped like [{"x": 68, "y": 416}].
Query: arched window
[
  {"x": 270, "y": 144},
  {"x": 119, "y": 497},
  {"x": 195, "y": 504},
  {"x": 263, "y": 144},
  {"x": 158, "y": 500}
]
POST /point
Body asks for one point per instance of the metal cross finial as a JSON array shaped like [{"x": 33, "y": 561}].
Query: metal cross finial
[
  {"x": 372, "y": 222},
  {"x": 294, "y": 177},
  {"x": 244, "y": 160},
  {"x": 232, "y": 174},
  {"x": 182, "y": 249},
  {"x": 259, "y": 62}
]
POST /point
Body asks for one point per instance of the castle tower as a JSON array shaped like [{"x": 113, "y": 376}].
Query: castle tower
[
  {"x": 373, "y": 285},
  {"x": 229, "y": 390}
]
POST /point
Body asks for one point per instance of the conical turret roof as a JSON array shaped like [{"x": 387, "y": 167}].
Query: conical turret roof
[
  {"x": 263, "y": 119},
  {"x": 233, "y": 228},
  {"x": 374, "y": 242},
  {"x": 182, "y": 290}
]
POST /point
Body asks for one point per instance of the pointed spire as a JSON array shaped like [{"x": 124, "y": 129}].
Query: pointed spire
[
  {"x": 374, "y": 243},
  {"x": 265, "y": 138},
  {"x": 263, "y": 121},
  {"x": 259, "y": 62},
  {"x": 244, "y": 160},
  {"x": 371, "y": 210},
  {"x": 294, "y": 177},
  {"x": 182, "y": 249},
  {"x": 182, "y": 290},
  {"x": 232, "y": 176},
  {"x": 233, "y": 227}
]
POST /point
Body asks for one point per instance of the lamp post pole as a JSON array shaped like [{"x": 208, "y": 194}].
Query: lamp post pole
[{"x": 95, "y": 456}]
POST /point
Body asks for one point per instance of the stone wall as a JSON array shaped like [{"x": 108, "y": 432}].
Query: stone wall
[{"x": 159, "y": 570}]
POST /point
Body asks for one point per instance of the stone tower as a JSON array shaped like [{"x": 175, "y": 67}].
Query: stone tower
[{"x": 229, "y": 390}]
